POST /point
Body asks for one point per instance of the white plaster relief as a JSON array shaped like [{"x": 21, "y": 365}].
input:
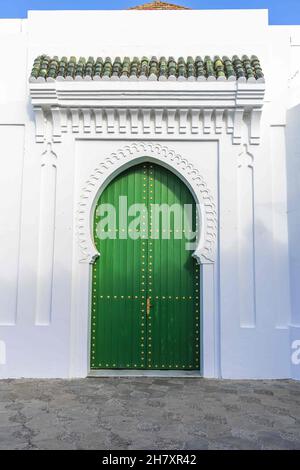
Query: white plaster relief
[
  {"x": 208, "y": 108},
  {"x": 183, "y": 121},
  {"x": 219, "y": 120},
  {"x": 207, "y": 121},
  {"x": 237, "y": 126},
  {"x": 56, "y": 125},
  {"x": 75, "y": 120},
  {"x": 134, "y": 121},
  {"x": 204, "y": 252},
  {"x": 40, "y": 125},
  {"x": 171, "y": 121},
  {"x": 195, "y": 121},
  {"x": 46, "y": 237},
  {"x": 158, "y": 120},
  {"x": 147, "y": 121},
  {"x": 141, "y": 122},
  {"x": 255, "y": 118},
  {"x": 246, "y": 239},
  {"x": 230, "y": 121},
  {"x": 86, "y": 113},
  {"x": 64, "y": 120},
  {"x": 110, "y": 116}
]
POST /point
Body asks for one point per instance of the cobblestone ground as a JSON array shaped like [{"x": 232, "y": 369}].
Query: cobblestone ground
[{"x": 149, "y": 413}]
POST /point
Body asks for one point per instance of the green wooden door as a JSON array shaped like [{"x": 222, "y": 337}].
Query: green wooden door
[{"x": 145, "y": 296}]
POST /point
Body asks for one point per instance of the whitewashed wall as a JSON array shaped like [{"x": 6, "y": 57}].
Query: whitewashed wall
[
  {"x": 43, "y": 329},
  {"x": 293, "y": 192}
]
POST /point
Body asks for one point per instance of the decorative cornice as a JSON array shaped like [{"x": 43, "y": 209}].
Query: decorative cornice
[
  {"x": 204, "y": 252},
  {"x": 148, "y": 109},
  {"x": 144, "y": 68}
]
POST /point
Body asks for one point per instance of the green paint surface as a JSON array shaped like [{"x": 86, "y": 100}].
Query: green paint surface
[{"x": 156, "y": 266}]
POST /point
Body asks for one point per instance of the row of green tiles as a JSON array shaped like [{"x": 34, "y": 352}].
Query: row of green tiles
[{"x": 47, "y": 67}]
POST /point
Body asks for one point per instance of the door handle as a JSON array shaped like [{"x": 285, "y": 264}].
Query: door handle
[{"x": 148, "y": 305}]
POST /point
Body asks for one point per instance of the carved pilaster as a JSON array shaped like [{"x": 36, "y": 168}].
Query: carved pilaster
[
  {"x": 246, "y": 238},
  {"x": 46, "y": 236}
]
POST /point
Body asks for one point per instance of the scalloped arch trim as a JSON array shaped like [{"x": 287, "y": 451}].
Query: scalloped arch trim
[{"x": 204, "y": 252}]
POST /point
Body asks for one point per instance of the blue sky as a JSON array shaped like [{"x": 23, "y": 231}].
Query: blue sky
[{"x": 281, "y": 11}]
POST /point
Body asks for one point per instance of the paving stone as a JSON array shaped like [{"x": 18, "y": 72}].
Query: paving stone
[{"x": 149, "y": 413}]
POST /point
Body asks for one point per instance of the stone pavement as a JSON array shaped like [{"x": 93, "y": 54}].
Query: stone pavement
[{"x": 149, "y": 413}]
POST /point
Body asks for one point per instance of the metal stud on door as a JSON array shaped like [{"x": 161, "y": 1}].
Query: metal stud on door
[
  {"x": 145, "y": 299},
  {"x": 173, "y": 285}
]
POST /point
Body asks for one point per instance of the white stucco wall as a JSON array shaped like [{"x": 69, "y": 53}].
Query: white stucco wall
[{"x": 44, "y": 327}]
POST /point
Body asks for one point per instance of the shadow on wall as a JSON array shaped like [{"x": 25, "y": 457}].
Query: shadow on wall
[
  {"x": 293, "y": 201},
  {"x": 293, "y": 206},
  {"x": 254, "y": 306}
]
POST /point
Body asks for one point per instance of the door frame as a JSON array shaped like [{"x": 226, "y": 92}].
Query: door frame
[
  {"x": 146, "y": 172},
  {"x": 205, "y": 254}
]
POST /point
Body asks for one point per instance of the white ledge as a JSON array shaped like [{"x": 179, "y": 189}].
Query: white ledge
[{"x": 117, "y": 108}]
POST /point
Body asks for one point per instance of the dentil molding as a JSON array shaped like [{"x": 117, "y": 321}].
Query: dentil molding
[
  {"x": 119, "y": 110},
  {"x": 205, "y": 249}
]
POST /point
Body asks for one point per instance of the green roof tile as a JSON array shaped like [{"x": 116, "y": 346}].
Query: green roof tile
[{"x": 243, "y": 69}]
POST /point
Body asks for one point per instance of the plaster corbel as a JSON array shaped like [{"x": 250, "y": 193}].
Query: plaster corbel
[{"x": 255, "y": 121}]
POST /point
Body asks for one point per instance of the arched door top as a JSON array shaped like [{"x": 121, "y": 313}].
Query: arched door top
[{"x": 132, "y": 154}]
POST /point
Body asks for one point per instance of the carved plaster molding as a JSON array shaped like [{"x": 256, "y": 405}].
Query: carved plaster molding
[
  {"x": 245, "y": 158},
  {"x": 205, "y": 250},
  {"x": 47, "y": 213},
  {"x": 118, "y": 110}
]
